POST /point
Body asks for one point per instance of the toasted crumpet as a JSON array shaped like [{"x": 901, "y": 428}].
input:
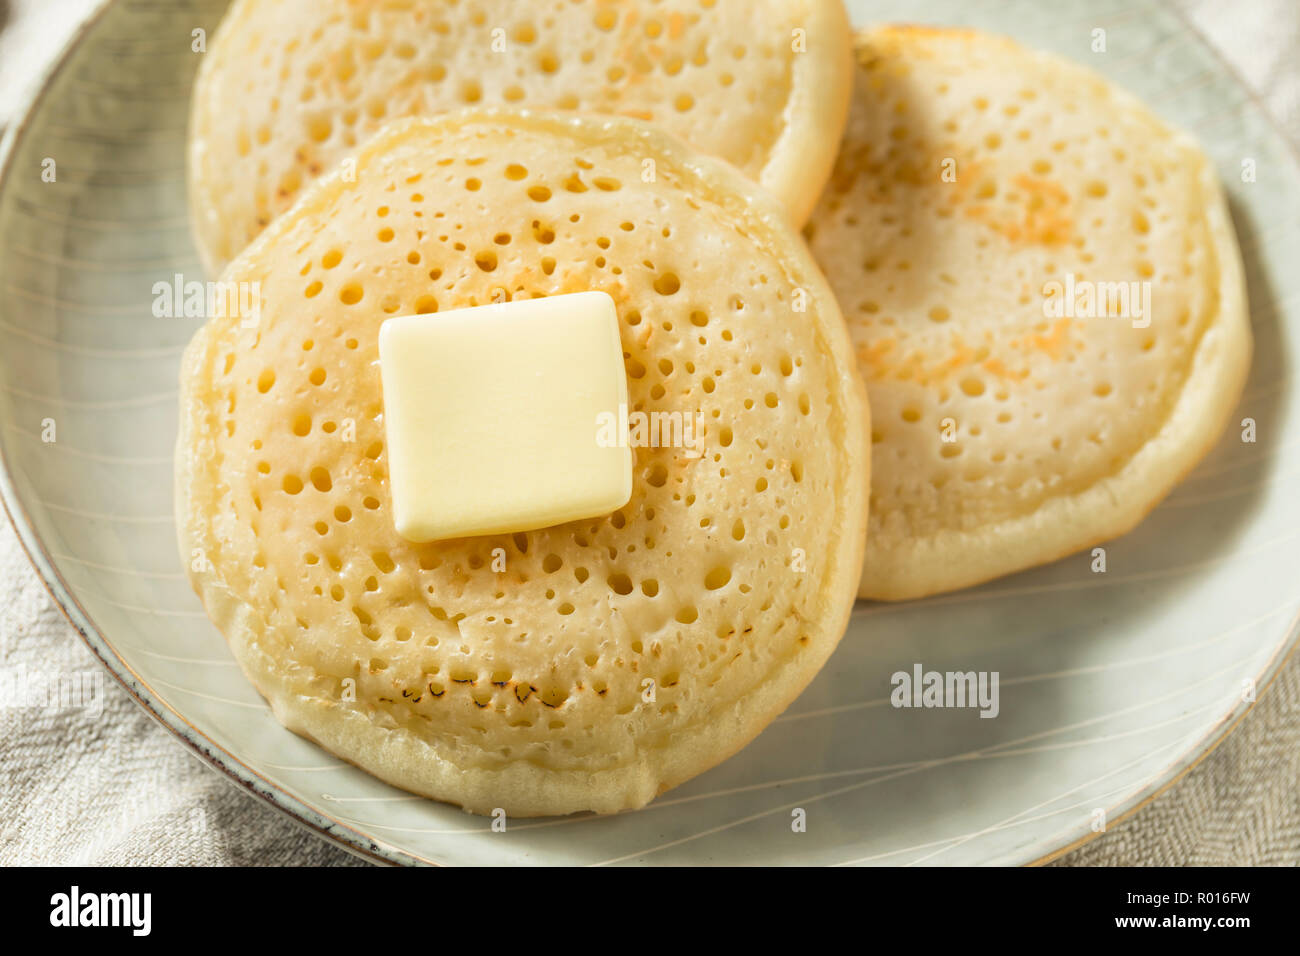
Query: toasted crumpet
[
  {"x": 609, "y": 659},
  {"x": 290, "y": 87},
  {"x": 991, "y": 229}
]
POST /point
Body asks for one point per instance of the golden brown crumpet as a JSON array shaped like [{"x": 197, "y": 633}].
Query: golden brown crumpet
[
  {"x": 586, "y": 666},
  {"x": 289, "y": 87},
  {"x": 1045, "y": 296}
]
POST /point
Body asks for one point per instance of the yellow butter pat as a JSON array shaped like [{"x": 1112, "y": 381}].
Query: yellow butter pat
[{"x": 492, "y": 416}]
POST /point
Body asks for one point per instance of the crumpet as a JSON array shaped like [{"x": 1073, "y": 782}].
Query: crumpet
[
  {"x": 290, "y": 87},
  {"x": 1046, "y": 300},
  {"x": 586, "y": 666}
]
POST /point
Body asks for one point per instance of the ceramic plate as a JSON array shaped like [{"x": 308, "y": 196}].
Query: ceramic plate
[{"x": 1111, "y": 684}]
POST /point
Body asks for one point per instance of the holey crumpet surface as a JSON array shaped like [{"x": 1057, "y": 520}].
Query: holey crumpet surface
[
  {"x": 585, "y": 666},
  {"x": 1046, "y": 301},
  {"x": 289, "y": 87}
]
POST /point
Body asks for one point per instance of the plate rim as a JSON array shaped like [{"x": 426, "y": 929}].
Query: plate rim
[
  {"x": 358, "y": 842},
  {"x": 63, "y": 595}
]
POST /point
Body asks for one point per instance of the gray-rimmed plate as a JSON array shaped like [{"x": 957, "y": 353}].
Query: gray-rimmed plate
[{"x": 1111, "y": 684}]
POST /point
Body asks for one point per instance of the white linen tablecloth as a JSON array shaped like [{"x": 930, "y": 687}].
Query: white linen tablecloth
[{"x": 116, "y": 788}]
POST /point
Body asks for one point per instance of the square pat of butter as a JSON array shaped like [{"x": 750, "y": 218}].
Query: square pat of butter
[{"x": 492, "y": 416}]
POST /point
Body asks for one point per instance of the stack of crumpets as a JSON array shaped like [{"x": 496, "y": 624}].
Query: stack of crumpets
[{"x": 423, "y": 547}]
